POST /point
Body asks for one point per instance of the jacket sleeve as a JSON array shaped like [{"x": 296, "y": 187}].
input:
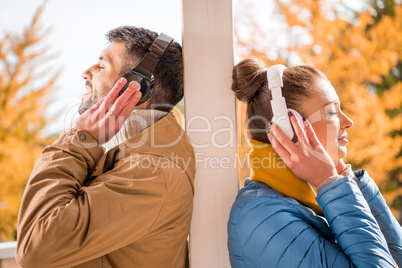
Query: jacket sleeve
[
  {"x": 353, "y": 224},
  {"x": 388, "y": 224},
  {"x": 278, "y": 235},
  {"x": 63, "y": 223}
]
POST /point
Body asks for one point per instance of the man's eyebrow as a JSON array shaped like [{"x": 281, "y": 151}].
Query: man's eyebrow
[{"x": 104, "y": 60}]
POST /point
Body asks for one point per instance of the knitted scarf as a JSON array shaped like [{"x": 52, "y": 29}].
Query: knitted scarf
[{"x": 267, "y": 167}]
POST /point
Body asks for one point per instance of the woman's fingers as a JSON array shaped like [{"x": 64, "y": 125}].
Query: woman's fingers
[
  {"x": 279, "y": 149},
  {"x": 312, "y": 138},
  {"x": 284, "y": 141},
  {"x": 301, "y": 136}
]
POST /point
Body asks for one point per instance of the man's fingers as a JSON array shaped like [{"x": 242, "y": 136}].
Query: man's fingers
[
  {"x": 125, "y": 112},
  {"x": 94, "y": 107},
  {"x": 123, "y": 99},
  {"x": 113, "y": 94}
]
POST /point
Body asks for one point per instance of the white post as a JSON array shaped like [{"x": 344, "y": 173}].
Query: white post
[{"x": 211, "y": 124}]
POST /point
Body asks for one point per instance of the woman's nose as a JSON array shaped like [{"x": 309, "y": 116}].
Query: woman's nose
[{"x": 346, "y": 122}]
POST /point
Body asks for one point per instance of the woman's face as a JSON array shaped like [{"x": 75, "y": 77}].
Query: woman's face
[{"x": 328, "y": 121}]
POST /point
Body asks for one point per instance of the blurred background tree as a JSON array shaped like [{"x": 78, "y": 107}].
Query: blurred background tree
[
  {"x": 24, "y": 89},
  {"x": 360, "y": 51}
]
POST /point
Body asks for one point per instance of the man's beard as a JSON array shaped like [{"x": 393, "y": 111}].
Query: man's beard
[
  {"x": 96, "y": 96},
  {"x": 84, "y": 106}
]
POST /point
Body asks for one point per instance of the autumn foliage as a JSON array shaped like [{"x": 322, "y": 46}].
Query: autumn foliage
[
  {"x": 361, "y": 54},
  {"x": 23, "y": 100}
]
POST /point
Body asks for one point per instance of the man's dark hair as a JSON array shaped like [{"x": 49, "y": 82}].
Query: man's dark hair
[{"x": 168, "y": 72}]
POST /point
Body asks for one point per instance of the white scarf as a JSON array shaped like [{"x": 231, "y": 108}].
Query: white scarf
[{"x": 134, "y": 124}]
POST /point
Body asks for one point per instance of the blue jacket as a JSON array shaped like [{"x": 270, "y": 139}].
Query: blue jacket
[{"x": 268, "y": 229}]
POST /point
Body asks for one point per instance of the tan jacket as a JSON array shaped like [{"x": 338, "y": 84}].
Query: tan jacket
[{"x": 76, "y": 212}]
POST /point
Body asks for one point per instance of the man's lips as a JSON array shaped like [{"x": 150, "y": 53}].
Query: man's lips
[{"x": 88, "y": 89}]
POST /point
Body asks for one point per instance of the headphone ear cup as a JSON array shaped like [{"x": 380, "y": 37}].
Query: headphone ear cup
[
  {"x": 146, "y": 84},
  {"x": 146, "y": 89}
]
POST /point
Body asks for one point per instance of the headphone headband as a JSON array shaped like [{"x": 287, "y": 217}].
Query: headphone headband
[
  {"x": 278, "y": 103},
  {"x": 275, "y": 82},
  {"x": 143, "y": 72},
  {"x": 275, "y": 74},
  {"x": 155, "y": 51}
]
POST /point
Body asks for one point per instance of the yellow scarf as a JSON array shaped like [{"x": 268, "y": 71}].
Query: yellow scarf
[{"x": 267, "y": 167}]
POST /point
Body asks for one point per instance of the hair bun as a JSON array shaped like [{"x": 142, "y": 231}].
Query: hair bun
[{"x": 247, "y": 78}]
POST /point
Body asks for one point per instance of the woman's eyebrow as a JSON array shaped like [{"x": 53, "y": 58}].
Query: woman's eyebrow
[{"x": 331, "y": 102}]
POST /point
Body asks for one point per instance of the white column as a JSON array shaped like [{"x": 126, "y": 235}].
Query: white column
[{"x": 211, "y": 124}]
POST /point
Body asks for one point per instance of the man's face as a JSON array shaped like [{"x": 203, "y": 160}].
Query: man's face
[{"x": 101, "y": 77}]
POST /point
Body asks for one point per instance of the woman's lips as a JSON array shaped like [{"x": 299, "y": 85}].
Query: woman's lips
[{"x": 343, "y": 139}]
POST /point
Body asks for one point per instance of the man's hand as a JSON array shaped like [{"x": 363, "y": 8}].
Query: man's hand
[{"x": 104, "y": 119}]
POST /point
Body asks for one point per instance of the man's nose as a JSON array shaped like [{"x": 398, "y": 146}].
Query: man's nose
[{"x": 87, "y": 74}]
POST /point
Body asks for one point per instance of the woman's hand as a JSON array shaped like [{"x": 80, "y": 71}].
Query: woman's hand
[
  {"x": 307, "y": 158},
  {"x": 340, "y": 166},
  {"x": 104, "y": 119}
]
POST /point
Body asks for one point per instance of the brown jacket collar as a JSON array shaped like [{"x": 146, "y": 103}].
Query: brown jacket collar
[{"x": 165, "y": 138}]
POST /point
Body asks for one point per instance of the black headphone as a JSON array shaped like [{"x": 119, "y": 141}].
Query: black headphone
[{"x": 143, "y": 72}]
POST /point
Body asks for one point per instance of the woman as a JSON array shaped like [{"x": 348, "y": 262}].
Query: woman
[{"x": 302, "y": 205}]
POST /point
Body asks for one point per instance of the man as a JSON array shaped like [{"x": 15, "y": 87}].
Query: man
[{"x": 130, "y": 206}]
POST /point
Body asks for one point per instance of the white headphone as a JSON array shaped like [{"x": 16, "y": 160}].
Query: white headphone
[{"x": 278, "y": 104}]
